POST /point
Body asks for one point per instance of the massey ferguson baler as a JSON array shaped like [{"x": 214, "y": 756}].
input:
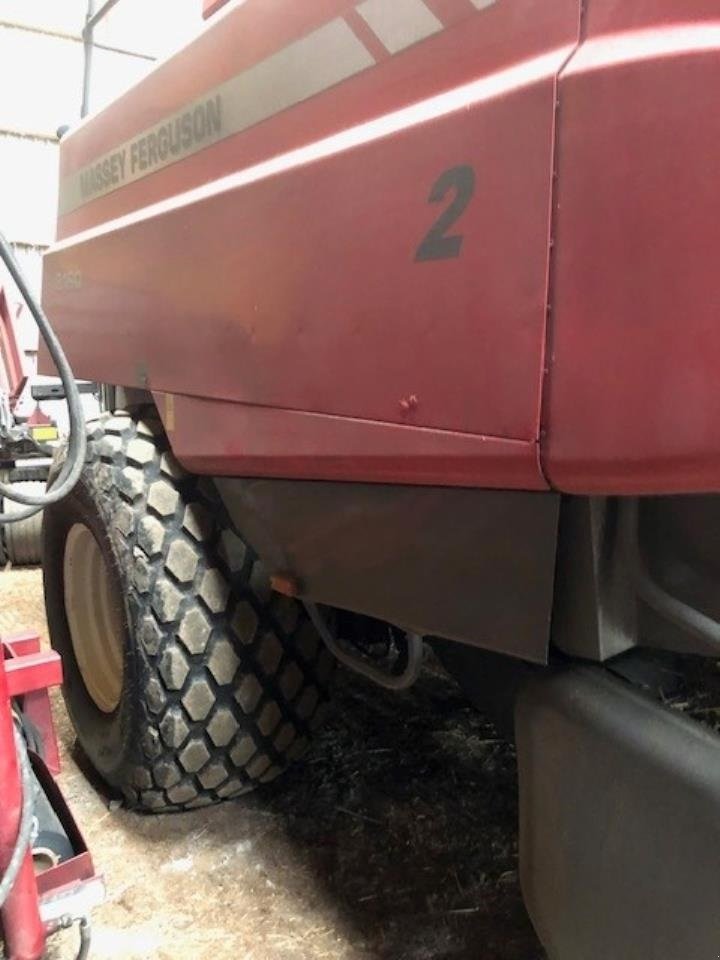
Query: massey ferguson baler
[{"x": 408, "y": 313}]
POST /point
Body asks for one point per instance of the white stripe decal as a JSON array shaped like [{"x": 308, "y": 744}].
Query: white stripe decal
[
  {"x": 304, "y": 68},
  {"x": 500, "y": 84},
  {"x": 308, "y": 66},
  {"x": 399, "y": 23}
]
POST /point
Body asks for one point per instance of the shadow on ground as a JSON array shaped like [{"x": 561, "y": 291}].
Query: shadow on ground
[
  {"x": 406, "y": 812},
  {"x": 395, "y": 839}
]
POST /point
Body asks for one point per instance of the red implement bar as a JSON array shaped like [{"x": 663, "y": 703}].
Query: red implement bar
[
  {"x": 211, "y": 6},
  {"x": 23, "y": 930},
  {"x": 38, "y": 905},
  {"x": 12, "y": 369},
  {"x": 30, "y": 673}
]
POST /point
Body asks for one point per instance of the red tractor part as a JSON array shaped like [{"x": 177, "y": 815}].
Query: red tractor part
[
  {"x": 421, "y": 296},
  {"x": 481, "y": 206},
  {"x": 376, "y": 229},
  {"x": 212, "y": 6},
  {"x": 11, "y": 367},
  {"x": 39, "y": 903}
]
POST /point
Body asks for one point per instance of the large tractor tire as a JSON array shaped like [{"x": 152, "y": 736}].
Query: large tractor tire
[
  {"x": 23, "y": 541},
  {"x": 187, "y": 680}
]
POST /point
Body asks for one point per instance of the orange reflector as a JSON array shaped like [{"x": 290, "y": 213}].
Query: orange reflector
[{"x": 286, "y": 585}]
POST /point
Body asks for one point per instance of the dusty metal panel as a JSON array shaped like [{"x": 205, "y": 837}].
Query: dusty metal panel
[
  {"x": 254, "y": 441},
  {"x": 469, "y": 565},
  {"x": 594, "y": 613},
  {"x": 447, "y": 331},
  {"x": 619, "y": 833},
  {"x": 633, "y": 404},
  {"x": 677, "y": 573}
]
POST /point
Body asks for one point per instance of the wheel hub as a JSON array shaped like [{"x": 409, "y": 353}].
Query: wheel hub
[{"x": 94, "y": 617}]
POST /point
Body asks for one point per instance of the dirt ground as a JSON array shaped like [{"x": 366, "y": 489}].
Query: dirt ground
[{"x": 394, "y": 840}]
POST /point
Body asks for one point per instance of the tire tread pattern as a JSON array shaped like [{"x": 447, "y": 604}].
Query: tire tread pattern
[{"x": 234, "y": 678}]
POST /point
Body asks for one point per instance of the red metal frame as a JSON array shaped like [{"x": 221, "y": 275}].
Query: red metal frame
[
  {"x": 31, "y": 911},
  {"x": 282, "y": 255},
  {"x": 30, "y": 672},
  {"x": 212, "y": 6},
  {"x": 12, "y": 367},
  {"x": 23, "y": 930},
  {"x": 330, "y": 324},
  {"x": 633, "y": 399}
]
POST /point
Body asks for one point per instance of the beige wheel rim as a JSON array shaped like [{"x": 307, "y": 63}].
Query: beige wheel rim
[{"x": 94, "y": 618}]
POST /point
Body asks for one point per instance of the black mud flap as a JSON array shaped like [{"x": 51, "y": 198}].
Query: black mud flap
[{"x": 619, "y": 822}]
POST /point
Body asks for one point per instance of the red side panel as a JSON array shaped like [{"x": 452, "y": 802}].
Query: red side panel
[
  {"x": 212, "y": 6},
  {"x": 216, "y": 437},
  {"x": 634, "y": 396},
  {"x": 316, "y": 278}
]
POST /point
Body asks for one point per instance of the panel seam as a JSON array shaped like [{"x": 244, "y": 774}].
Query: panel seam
[{"x": 548, "y": 345}]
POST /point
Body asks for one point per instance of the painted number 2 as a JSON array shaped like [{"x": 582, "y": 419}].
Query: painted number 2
[{"x": 437, "y": 245}]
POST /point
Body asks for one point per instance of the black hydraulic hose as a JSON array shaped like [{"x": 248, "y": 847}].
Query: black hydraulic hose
[
  {"x": 77, "y": 444},
  {"x": 84, "y": 951}
]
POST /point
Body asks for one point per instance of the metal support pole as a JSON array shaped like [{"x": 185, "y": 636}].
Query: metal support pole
[
  {"x": 87, "y": 36},
  {"x": 95, "y": 18},
  {"x": 92, "y": 19},
  {"x": 23, "y": 929}
]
